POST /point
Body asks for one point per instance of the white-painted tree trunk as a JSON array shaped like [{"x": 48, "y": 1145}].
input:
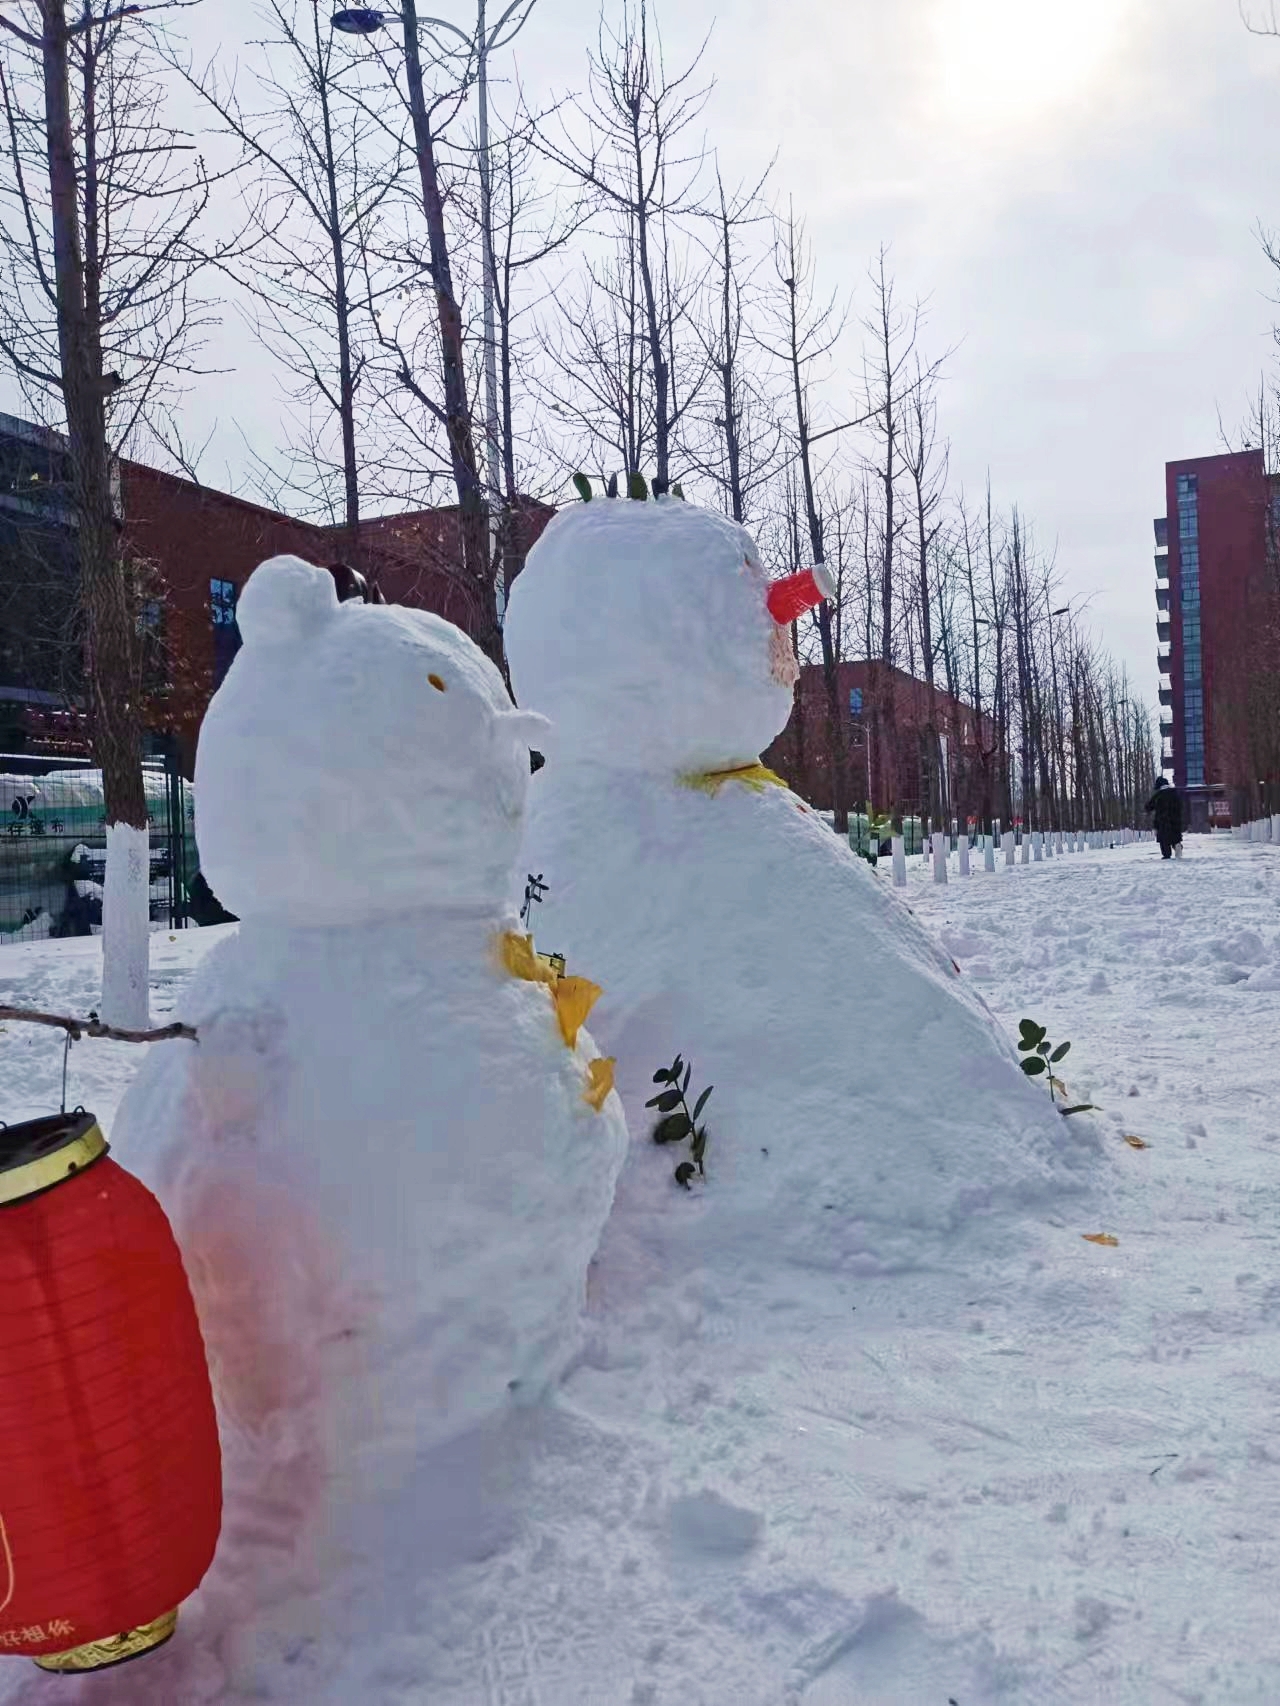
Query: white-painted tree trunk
[
  {"x": 1010, "y": 850},
  {"x": 126, "y": 929},
  {"x": 939, "y": 857},
  {"x": 1026, "y": 847},
  {"x": 988, "y": 852},
  {"x": 899, "y": 862},
  {"x": 1037, "y": 847},
  {"x": 964, "y": 854}
]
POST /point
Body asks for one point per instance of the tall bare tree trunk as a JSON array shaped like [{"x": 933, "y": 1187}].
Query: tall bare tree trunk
[
  {"x": 837, "y": 733},
  {"x": 111, "y": 620},
  {"x": 473, "y": 521},
  {"x": 727, "y": 365}
]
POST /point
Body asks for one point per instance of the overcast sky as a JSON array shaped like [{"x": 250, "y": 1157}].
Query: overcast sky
[{"x": 1075, "y": 187}]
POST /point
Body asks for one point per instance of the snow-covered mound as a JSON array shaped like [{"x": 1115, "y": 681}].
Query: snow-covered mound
[
  {"x": 1044, "y": 1477},
  {"x": 864, "y": 1102},
  {"x": 388, "y": 1159}
]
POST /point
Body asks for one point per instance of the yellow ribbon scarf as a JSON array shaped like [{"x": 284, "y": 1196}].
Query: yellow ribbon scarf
[
  {"x": 573, "y": 998},
  {"x": 754, "y": 776}
]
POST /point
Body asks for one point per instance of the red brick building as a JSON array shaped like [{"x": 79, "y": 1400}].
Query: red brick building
[
  {"x": 1216, "y": 614},
  {"x": 887, "y": 717},
  {"x": 198, "y": 546}
]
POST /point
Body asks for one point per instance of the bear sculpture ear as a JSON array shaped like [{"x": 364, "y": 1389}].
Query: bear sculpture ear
[{"x": 285, "y": 600}]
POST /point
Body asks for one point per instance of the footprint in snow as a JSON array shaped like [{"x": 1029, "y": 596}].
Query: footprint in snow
[
  {"x": 892, "y": 1655},
  {"x": 705, "y": 1525}
]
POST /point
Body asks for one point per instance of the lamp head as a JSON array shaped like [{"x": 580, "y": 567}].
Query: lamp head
[{"x": 359, "y": 20}]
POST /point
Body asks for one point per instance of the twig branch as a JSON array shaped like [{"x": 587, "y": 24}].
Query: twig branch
[
  {"x": 93, "y": 1027},
  {"x": 22, "y": 35}
]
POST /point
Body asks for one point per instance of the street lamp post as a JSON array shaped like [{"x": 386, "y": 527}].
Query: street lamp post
[{"x": 366, "y": 21}]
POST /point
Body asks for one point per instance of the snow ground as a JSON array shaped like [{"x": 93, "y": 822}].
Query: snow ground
[{"x": 1044, "y": 1473}]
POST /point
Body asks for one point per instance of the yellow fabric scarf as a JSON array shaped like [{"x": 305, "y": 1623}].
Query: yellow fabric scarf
[
  {"x": 754, "y": 776},
  {"x": 573, "y": 998}
]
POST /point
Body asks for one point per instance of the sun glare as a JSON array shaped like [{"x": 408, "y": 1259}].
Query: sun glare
[{"x": 1006, "y": 63}]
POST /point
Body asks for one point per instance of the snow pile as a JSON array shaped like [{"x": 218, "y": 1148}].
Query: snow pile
[
  {"x": 864, "y": 1105},
  {"x": 1046, "y": 1476},
  {"x": 379, "y": 1158}
]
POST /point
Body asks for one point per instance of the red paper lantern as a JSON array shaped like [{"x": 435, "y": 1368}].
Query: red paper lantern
[
  {"x": 790, "y": 597},
  {"x": 110, "y": 1473}
]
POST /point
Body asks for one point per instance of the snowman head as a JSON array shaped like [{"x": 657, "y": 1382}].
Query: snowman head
[
  {"x": 644, "y": 630},
  {"x": 358, "y": 760}
]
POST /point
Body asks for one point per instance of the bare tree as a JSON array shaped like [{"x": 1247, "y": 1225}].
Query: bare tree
[
  {"x": 320, "y": 171},
  {"x": 627, "y": 146},
  {"x": 745, "y": 439},
  {"x": 441, "y": 399},
  {"x": 925, "y": 462},
  {"x": 600, "y": 384},
  {"x": 890, "y": 368},
  {"x": 529, "y": 226},
  {"x": 100, "y": 200},
  {"x": 809, "y": 333}
]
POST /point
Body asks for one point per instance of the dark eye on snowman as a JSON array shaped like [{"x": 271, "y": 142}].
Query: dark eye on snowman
[{"x": 436, "y": 683}]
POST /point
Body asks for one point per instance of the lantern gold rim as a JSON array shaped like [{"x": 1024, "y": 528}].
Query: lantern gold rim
[
  {"x": 114, "y": 1650},
  {"x": 45, "y": 1171}
]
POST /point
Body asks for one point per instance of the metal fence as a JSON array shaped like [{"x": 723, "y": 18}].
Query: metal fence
[{"x": 53, "y": 847}]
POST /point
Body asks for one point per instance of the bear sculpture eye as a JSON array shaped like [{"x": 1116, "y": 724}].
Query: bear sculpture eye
[{"x": 436, "y": 683}]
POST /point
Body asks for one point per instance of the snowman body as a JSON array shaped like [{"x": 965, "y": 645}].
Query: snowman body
[
  {"x": 864, "y": 1102},
  {"x": 386, "y": 1159}
]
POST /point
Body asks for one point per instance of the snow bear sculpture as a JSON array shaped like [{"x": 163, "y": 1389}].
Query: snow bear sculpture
[
  {"x": 391, "y": 1152},
  {"x": 864, "y": 1100}
]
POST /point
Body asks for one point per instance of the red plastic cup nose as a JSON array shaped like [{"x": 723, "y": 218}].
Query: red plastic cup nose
[{"x": 789, "y": 598}]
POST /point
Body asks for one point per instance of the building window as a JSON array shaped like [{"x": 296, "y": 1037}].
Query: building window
[
  {"x": 226, "y": 634},
  {"x": 1189, "y": 601},
  {"x": 222, "y": 599},
  {"x": 1162, "y": 533}
]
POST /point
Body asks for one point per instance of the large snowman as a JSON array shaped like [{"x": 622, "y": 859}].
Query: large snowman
[
  {"x": 864, "y": 1103},
  {"x": 390, "y": 1154}
]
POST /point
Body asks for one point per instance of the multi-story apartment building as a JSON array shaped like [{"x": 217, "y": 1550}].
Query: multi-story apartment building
[{"x": 1215, "y": 598}]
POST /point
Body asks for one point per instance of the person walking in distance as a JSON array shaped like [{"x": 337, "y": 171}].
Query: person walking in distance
[{"x": 1165, "y": 805}]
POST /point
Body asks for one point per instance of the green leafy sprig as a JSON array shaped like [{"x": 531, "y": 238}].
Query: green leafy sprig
[
  {"x": 637, "y": 487},
  {"x": 678, "y": 1121},
  {"x": 1039, "y": 1057}
]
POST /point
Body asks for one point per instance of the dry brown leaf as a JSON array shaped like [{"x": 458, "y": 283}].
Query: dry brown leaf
[
  {"x": 1136, "y": 1142},
  {"x": 1099, "y": 1238}
]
